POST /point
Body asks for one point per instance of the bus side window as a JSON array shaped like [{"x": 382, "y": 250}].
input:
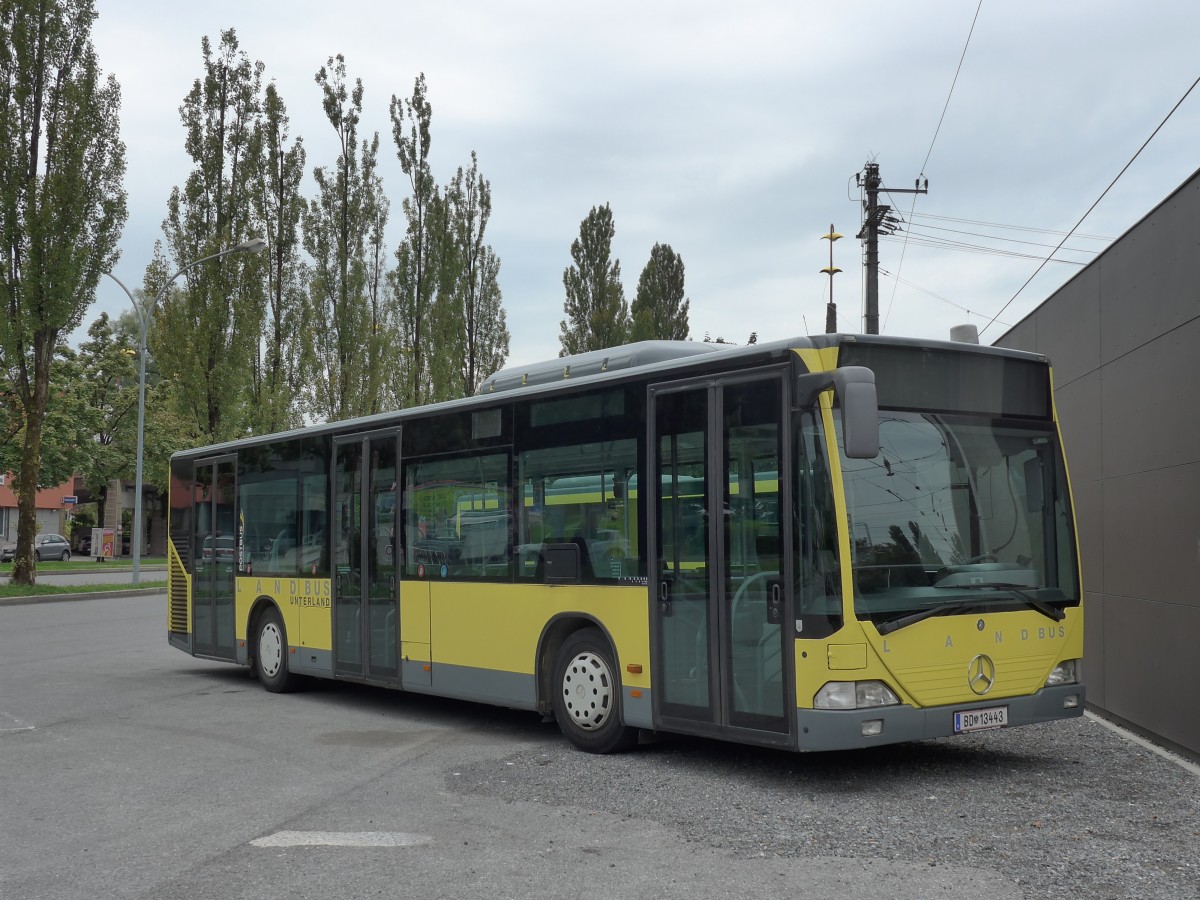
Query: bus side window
[
  {"x": 582, "y": 495},
  {"x": 458, "y": 517}
]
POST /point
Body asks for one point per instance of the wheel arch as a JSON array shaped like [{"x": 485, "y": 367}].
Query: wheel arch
[{"x": 556, "y": 631}]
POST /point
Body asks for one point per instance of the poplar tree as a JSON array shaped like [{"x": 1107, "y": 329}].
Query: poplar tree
[
  {"x": 208, "y": 329},
  {"x": 348, "y": 323},
  {"x": 277, "y": 374},
  {"x": 660, "y": 311},
  {"x": 481, "y": 336},
  {"x": 415, "y": 279},
  {"x": 62, "y": 205},
  {"x": 597, "y": 314}
]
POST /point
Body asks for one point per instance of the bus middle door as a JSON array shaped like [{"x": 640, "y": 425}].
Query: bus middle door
[
  {"x": 721, "y": 579},
  {"x": 366, "y": 608}
]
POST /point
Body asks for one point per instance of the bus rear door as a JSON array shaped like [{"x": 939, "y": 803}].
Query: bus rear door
[{"x": 214, "y": 557}]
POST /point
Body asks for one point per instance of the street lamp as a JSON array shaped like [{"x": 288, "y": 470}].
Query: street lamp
[{"x": 253, "y": 245}]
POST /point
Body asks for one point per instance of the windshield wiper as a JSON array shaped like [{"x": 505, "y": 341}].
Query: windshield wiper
[
  {"x": 913, "y": 618},
  {"x": 1016, "y": 590}
]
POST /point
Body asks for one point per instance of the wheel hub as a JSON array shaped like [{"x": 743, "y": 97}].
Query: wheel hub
[
  {"x": 588, "y": 691},
  {"x": 270, "y": 649}
]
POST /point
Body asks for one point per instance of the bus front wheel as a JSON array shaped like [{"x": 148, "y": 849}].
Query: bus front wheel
[
  {"x": 587, "y": 694},
  {"x": 270, "y": 654}
]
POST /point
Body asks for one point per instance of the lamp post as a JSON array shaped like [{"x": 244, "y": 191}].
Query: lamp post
[{"x": 143, "y": 311}]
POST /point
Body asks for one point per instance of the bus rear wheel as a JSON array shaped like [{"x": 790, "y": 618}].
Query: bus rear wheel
[
  {"x": 270, "y": 653},
  {"x": 587, "y": 694}
]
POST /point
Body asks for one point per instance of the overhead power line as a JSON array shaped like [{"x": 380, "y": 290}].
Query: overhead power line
[
  {"x": 1103, "y": 194},
  {"x": 935, "y": 296},
  {"x": 929, "y": 152},
  {"x": 945, "y": 244},
  {"x": 918, "y": 230},
  {"x": 1078, "y": 234},
  {"x": 954, "y": 82}
]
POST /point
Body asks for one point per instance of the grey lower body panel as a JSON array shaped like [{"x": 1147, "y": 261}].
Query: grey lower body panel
[
  {"x": 637, "y": 712},
  {"x": 307, "y": 661},
  {"x": 509, "y": 689},
  {"x": 820, "y": 729}
]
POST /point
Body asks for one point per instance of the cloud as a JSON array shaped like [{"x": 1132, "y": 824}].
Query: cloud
[{"x": 730, "y": 131}]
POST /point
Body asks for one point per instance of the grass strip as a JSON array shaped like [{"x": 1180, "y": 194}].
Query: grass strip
[
  {"x": 38, "y": 590},
  {"x": 121, "y": 565}
]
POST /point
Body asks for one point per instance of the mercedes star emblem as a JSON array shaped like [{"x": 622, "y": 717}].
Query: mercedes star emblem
[{"x": 981, "y": 674}]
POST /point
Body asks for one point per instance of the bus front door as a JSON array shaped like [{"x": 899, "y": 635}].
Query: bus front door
[
  {"x": 721, "y": 584},
  {"x": 366, "y": 609}
]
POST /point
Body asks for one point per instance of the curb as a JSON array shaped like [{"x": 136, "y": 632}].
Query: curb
[{"x": 90, "y": 595}]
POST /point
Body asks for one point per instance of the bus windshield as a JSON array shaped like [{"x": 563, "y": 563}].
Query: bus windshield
[{"x": 959, "y": 513}]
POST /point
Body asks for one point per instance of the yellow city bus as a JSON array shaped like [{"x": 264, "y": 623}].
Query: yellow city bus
[{"x": 823, "y": 543}]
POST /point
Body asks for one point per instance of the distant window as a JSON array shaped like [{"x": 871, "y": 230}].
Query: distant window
[{"x": 577, "y": 409}]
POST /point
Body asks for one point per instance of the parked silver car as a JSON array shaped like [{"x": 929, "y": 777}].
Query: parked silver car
[{"x": 45, "y": 546}]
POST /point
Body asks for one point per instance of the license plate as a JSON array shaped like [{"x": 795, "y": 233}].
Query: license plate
[{"x": 980, "y": 719}]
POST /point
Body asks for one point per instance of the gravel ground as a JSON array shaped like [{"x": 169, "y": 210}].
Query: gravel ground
[{"x": 1068, "y": 809}]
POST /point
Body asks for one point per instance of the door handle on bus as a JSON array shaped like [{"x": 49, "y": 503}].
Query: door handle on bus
[
  {"x": 664, "y": 598},
  {"x": 392, "y": 584},
  {"x": 775, "y": 604}
]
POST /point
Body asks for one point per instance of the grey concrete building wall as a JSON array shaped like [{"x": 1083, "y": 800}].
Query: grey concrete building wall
[{"x": 1124, "y": 339}]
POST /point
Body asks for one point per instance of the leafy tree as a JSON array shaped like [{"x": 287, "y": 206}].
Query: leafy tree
[
  {"x": 481, "y": 337},
  {"x": 415, "y": 279},
  {"x": 62, "y": 206},
  {"x": 67, "y": 433},
  {"x": 278, "y": 372},
  {"x": 107, "y": 379},
  {"x": 348, "y": 212},
  {"x": 108, "y": 366},
  {"x": 660, "y": 311},
  {"x": 208, "y": 332},
  {"x": 442, "y": 343},
  {"x": 597, "y": 314}
]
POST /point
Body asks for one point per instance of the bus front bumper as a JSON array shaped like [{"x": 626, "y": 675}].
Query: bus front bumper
[{"x": 820, "y": 729}]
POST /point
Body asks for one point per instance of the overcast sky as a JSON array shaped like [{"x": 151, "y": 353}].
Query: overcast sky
[{"x": 731, "y": 131}]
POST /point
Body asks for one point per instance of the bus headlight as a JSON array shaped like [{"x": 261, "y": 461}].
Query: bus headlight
[
  {"x": 855, "y": 695},
  {"x": 1066, "y": 672}
]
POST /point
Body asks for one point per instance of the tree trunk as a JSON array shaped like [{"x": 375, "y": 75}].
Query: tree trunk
[{"x": 24, "y": 570}]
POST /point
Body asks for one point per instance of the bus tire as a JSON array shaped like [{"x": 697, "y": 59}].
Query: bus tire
[
  {"x": 587, "y": 694},
  {"x": 271, "y": 652}
]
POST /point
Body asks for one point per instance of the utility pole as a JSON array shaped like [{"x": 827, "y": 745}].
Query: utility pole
[
  {"x": 877, "y": 219},
  {"x": 831, "y": 270}
]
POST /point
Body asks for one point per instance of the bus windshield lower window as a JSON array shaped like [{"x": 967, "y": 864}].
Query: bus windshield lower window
[{"x": 962, "y": 510}]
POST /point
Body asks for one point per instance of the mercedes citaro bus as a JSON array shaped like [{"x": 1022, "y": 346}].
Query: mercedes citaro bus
[{"x": 822, "y": 543}]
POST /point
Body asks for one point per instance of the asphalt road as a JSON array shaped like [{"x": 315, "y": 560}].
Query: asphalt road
[{"x": 128, "y": 769}]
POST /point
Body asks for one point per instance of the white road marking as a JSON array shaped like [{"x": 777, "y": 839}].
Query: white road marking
[
  {"x": 10, "y": 722},
  {"x": 341, "y": 839}
]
